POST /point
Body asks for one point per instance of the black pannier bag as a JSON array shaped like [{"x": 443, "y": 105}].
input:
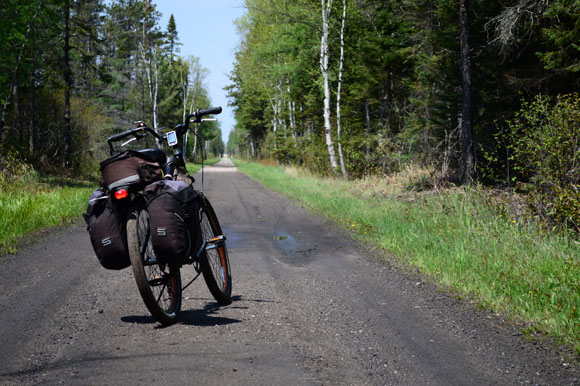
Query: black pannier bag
[
  {"x": 130, "y": 168},
  {"x": 107, "y": 231},
  {"x": 173, "y": 219}
]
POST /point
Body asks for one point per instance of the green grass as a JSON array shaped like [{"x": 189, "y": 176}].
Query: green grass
[
  {"x": 28, "y": 205},
  {"x": 31, "y": 203},
  {"x": 458, "y": 240}
]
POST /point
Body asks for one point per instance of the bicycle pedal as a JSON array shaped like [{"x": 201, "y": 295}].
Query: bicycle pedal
[
  {"x": 217, "y": 239},
  {"x": 156, "y": 281}
]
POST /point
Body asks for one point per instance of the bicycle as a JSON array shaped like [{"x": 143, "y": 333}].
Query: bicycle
[{"x": 160, "y": 282}]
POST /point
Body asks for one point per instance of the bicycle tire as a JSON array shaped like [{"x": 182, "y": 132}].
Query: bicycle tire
[
  {"x": 214, "y": 260},
  {"x": 159, "y": 283}
]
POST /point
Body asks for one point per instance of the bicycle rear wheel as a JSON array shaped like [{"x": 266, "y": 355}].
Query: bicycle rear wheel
[
  {"x": 214, "y": 260},
  {"x": 159, "y": 283}
]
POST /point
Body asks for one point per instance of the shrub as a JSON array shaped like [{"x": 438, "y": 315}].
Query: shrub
[
  {"x": 13, "y": 167},
  {"x": 544, "y": 157}
]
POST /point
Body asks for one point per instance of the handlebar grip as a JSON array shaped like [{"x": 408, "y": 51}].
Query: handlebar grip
[
  {"x": 211, "y": 110},
  {"x": 118, "y": 137},
  {"x": 138, "y": 132}
]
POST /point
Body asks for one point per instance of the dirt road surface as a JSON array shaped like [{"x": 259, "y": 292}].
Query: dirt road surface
[{"x": 311, "y": 308}]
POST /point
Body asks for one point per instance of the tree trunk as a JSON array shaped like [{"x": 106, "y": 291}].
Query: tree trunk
[
  {"x": 291, "y": 115},
  {"x": 67, "y": 88},
  {"x": 293, "y": 127},
  {"x": 185, "y": 89},
  {"x": 276, "y": 111},
  {"x": 184, "y": 150},
  {"x": 194, "y": 144},
  {"x": 150, "y": 65},
  {"x": 15, "y": 72},
  {"x": 389, "y": 103},
  {"x": 32, "y": 128},
  {"x": 326, "y": 7},
  {"x": 17, "y": 113},
  {"x": 467, "y": 150},
  {"x": 338, "y": 92},
  {"x": 155, "y": 90},
  {"x": 367, "y": 129}
]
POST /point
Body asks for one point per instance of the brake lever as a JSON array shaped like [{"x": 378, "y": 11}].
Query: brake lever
[
  {"x": 208, "y": 119},
  {"x": 136, "y": 137},
  {"x": 129, "y": 141}
]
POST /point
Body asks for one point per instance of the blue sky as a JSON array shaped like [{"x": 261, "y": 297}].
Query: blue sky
[{"x": 206, "y": 29}]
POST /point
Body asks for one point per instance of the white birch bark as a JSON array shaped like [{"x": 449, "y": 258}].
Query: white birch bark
[
  {"x": 195, "y": 86},
  {"x": 155, "y": 88},
  {"x": 326, "y": 7},
  {"x": 185, "y": 90},
  {"x": 146, "y": 63},
  {"x": 291, "y": 114},
  {"x": 150, "y": 64},
  {"x": 275, "y": 104},
  {"x": 338, "y": 92},
  {"x": 194, "y": 144}
]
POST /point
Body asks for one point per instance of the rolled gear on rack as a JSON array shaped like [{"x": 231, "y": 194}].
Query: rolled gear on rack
[{"x": 130, "y": 168}]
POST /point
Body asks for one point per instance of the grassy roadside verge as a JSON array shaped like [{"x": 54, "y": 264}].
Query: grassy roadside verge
[
  {"x": 458, "y": 240},
  {"x": 33, "y": 205}
]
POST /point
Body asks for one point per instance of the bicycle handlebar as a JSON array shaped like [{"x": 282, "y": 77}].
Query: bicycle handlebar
[
  {"x": 211, "y": 110},
  {"x": 140, "y": 132},
  {"x": 197, "y": 114}
]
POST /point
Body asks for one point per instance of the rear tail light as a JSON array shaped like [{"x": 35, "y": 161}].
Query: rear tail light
[{"x": 121, "y": 194}]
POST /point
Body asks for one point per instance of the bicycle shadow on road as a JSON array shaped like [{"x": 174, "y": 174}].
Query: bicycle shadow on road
[{"x": 207, "y": 316}]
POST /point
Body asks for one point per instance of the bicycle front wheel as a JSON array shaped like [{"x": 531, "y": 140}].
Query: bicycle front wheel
[
  {"x": 159, "y": 283},
  {"x": 214, "y": 260}
]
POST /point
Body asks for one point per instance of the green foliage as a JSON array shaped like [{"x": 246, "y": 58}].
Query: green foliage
[
  {"x": 544, "y": 148},
  {"x": 373, "y": 155},
  {"x": 37, "y": 209},
  {"x": 13, "y": 168},
  {"x": 30, "y": 202},
  {"x": 562, "y": 34},
  {"x": 123, "y": 66},
  {"x": 401, "y": 78}
]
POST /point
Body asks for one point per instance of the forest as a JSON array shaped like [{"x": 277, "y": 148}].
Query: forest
[
  {"x": 476, "y": 92},
  {"x": 76, "y": 71}
]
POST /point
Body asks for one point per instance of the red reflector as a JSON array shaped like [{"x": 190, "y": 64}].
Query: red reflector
[{"x": 121, "y": 194}]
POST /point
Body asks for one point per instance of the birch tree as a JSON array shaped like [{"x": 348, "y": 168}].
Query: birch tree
[
  {"x": 338, "y": 91},
  {"x": 324, "y": 69},
  {"x": 195, "y": 93}
]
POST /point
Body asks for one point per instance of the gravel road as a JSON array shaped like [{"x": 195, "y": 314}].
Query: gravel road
[{"x": 311, "y": 307}]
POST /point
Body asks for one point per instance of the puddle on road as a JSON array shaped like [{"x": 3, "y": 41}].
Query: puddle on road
[
  {"x": 293, "y": 250},
  {"x": 285, "y": 242}
]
